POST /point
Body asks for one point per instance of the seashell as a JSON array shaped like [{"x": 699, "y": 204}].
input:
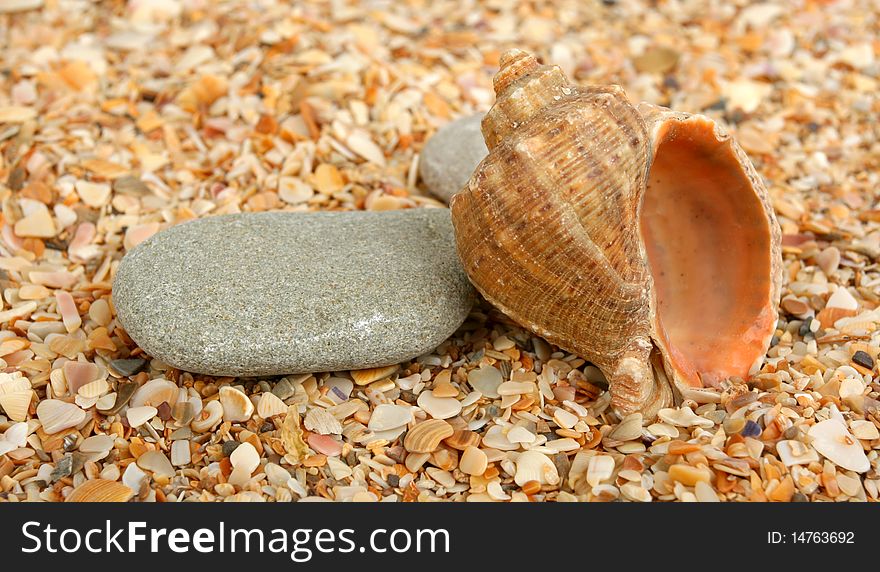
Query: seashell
[
  {"x": 245, "y": 457},
  {"x": 79, "y": 374},
  {"x": 238, "y": 477},
  {"x": 439, "y": 407},
  {"x": 638, "y": 238},
  {"x": 851, "y": 486},
  {"x": 366, "y": 376},
  {"x": 851, "y": 387},
  {"x": 157, "y": 463},
  {"x": 277, "y": 475},
  {"x": 180, "y": 453},
  {"x": 408, "y": 382},
  {"x": 292, "y": 436},
  {"x": 684, "y": 417},
  {"x": 600, "y": 469},
  {"x": 662, "y": 430},
  {"x": 426, "y": 436},
  {"x": 210, "y": 417},
  {"x": 520, "y": 435},
  {"x": 13, "y": 382},
  {"x": 133, "y": 477},
  {"x": 486, "y": 380},
  {"x": 471, "y": 398},
  {"x": 389, "y": 434},
  {"x": 56, "y": 415},
  {"x": 10, "y": 345},
  {"x": 14, "y": 438},
  {"x": 17, "y": 403},
  {"x": 347, "y": 408},
  {"x": 68, "y": 310},
  {"x": 339, "y": 469},
  {"x": 441, "y": 476},
  {"x": 688, "y": 475},
  {"x": 106, "y": 402},
  {"x": 864, "y": 429},
  {"x": 835, "y": 443},
  {"x": 516, "y": 388},
  {"x": 635, "y": 493},
  {"x": 496, "y": 438},
  {"x": 322, "y": 422},
  {"x": 17, "y": 434},
  {"x": 95, "y": 388},
  {"x": 389, "y": 416},
  {"x": 137, "y": 416},
  {"x": 325, "y": 445},
  {"x": 270, "y": 406},
  {"x": 606, "y": 493},
  {"x": 155, "y": 392},
  {"x": 442, "y": 390},
  {"x": 630, "y": 428},
  {"x": 462, "y": 439},
  {"x": 795, "y": 453},
  {"x": 842, "y": 299},
  {"x": 705, "y": 493},
  {"x": 495, "y": 491},
  {"x": 183, "y": 413},
  {"x": 100, "y": 490},
  {"x": 197, "y": 403},
  {"x": 414, "y": 461},
  {"x": 100, "y": 312},
  {"x": 96, "y": 444},
  {"x": 338, "y": 388},
  {"x": 565, "y": 419},
  {"x": 444, "y": 459},
  {"x": 535, "y": 466},
  {"x": 85, "y": 402},
  {"x": 6, "y": 447},
  {"x": 236, "y": 405}
]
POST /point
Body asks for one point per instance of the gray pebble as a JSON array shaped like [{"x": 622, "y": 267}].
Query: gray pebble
[
  {"x": 273, "y": 293},
  {"x": 229, "y": 447},
  {"x": 63, "y": 468},
  {"x": 124, "y": 392},
  {"x": 451, "y": 155},
  {"x": 128, "y": 367},
  {"x": 129, "y": 185},
  {"x": 283, "y": 389}
]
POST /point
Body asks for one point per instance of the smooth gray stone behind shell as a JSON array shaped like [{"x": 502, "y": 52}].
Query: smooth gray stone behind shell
[
  {"x": 450, "y": 156},
  {"x": 275, "y": 293}
]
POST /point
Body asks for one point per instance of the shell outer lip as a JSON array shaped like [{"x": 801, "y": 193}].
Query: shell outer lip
[{"x": 658, "y": 118}]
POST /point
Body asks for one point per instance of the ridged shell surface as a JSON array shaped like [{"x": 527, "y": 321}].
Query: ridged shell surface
[{"x": 547, "y": 227}]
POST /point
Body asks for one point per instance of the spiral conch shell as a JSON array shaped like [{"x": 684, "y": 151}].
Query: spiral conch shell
[{"x": 636, "y": 237}]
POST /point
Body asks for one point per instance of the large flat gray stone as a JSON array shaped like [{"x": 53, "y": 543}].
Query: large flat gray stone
[
  {"x": 451, "y": 155},
  {"x": 276, "y": 293}
]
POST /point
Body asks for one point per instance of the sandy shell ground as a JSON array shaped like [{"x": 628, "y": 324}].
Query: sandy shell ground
[{"x": 118, "y": 119}]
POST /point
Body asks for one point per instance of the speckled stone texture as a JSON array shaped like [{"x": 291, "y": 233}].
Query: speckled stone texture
[
  {"x": 274, "y": 293},
  {"x": 451, "y": 155}
]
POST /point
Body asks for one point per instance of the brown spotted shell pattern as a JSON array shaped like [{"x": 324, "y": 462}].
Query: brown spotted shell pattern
[{"x": 636, "y": 237}]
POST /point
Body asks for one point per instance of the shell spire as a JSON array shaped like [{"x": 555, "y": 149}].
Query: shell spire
[
  {"x": 551, "y": 229},
  {"x": 512, "y": 65},
  {"x": 523, "y": 88}
]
